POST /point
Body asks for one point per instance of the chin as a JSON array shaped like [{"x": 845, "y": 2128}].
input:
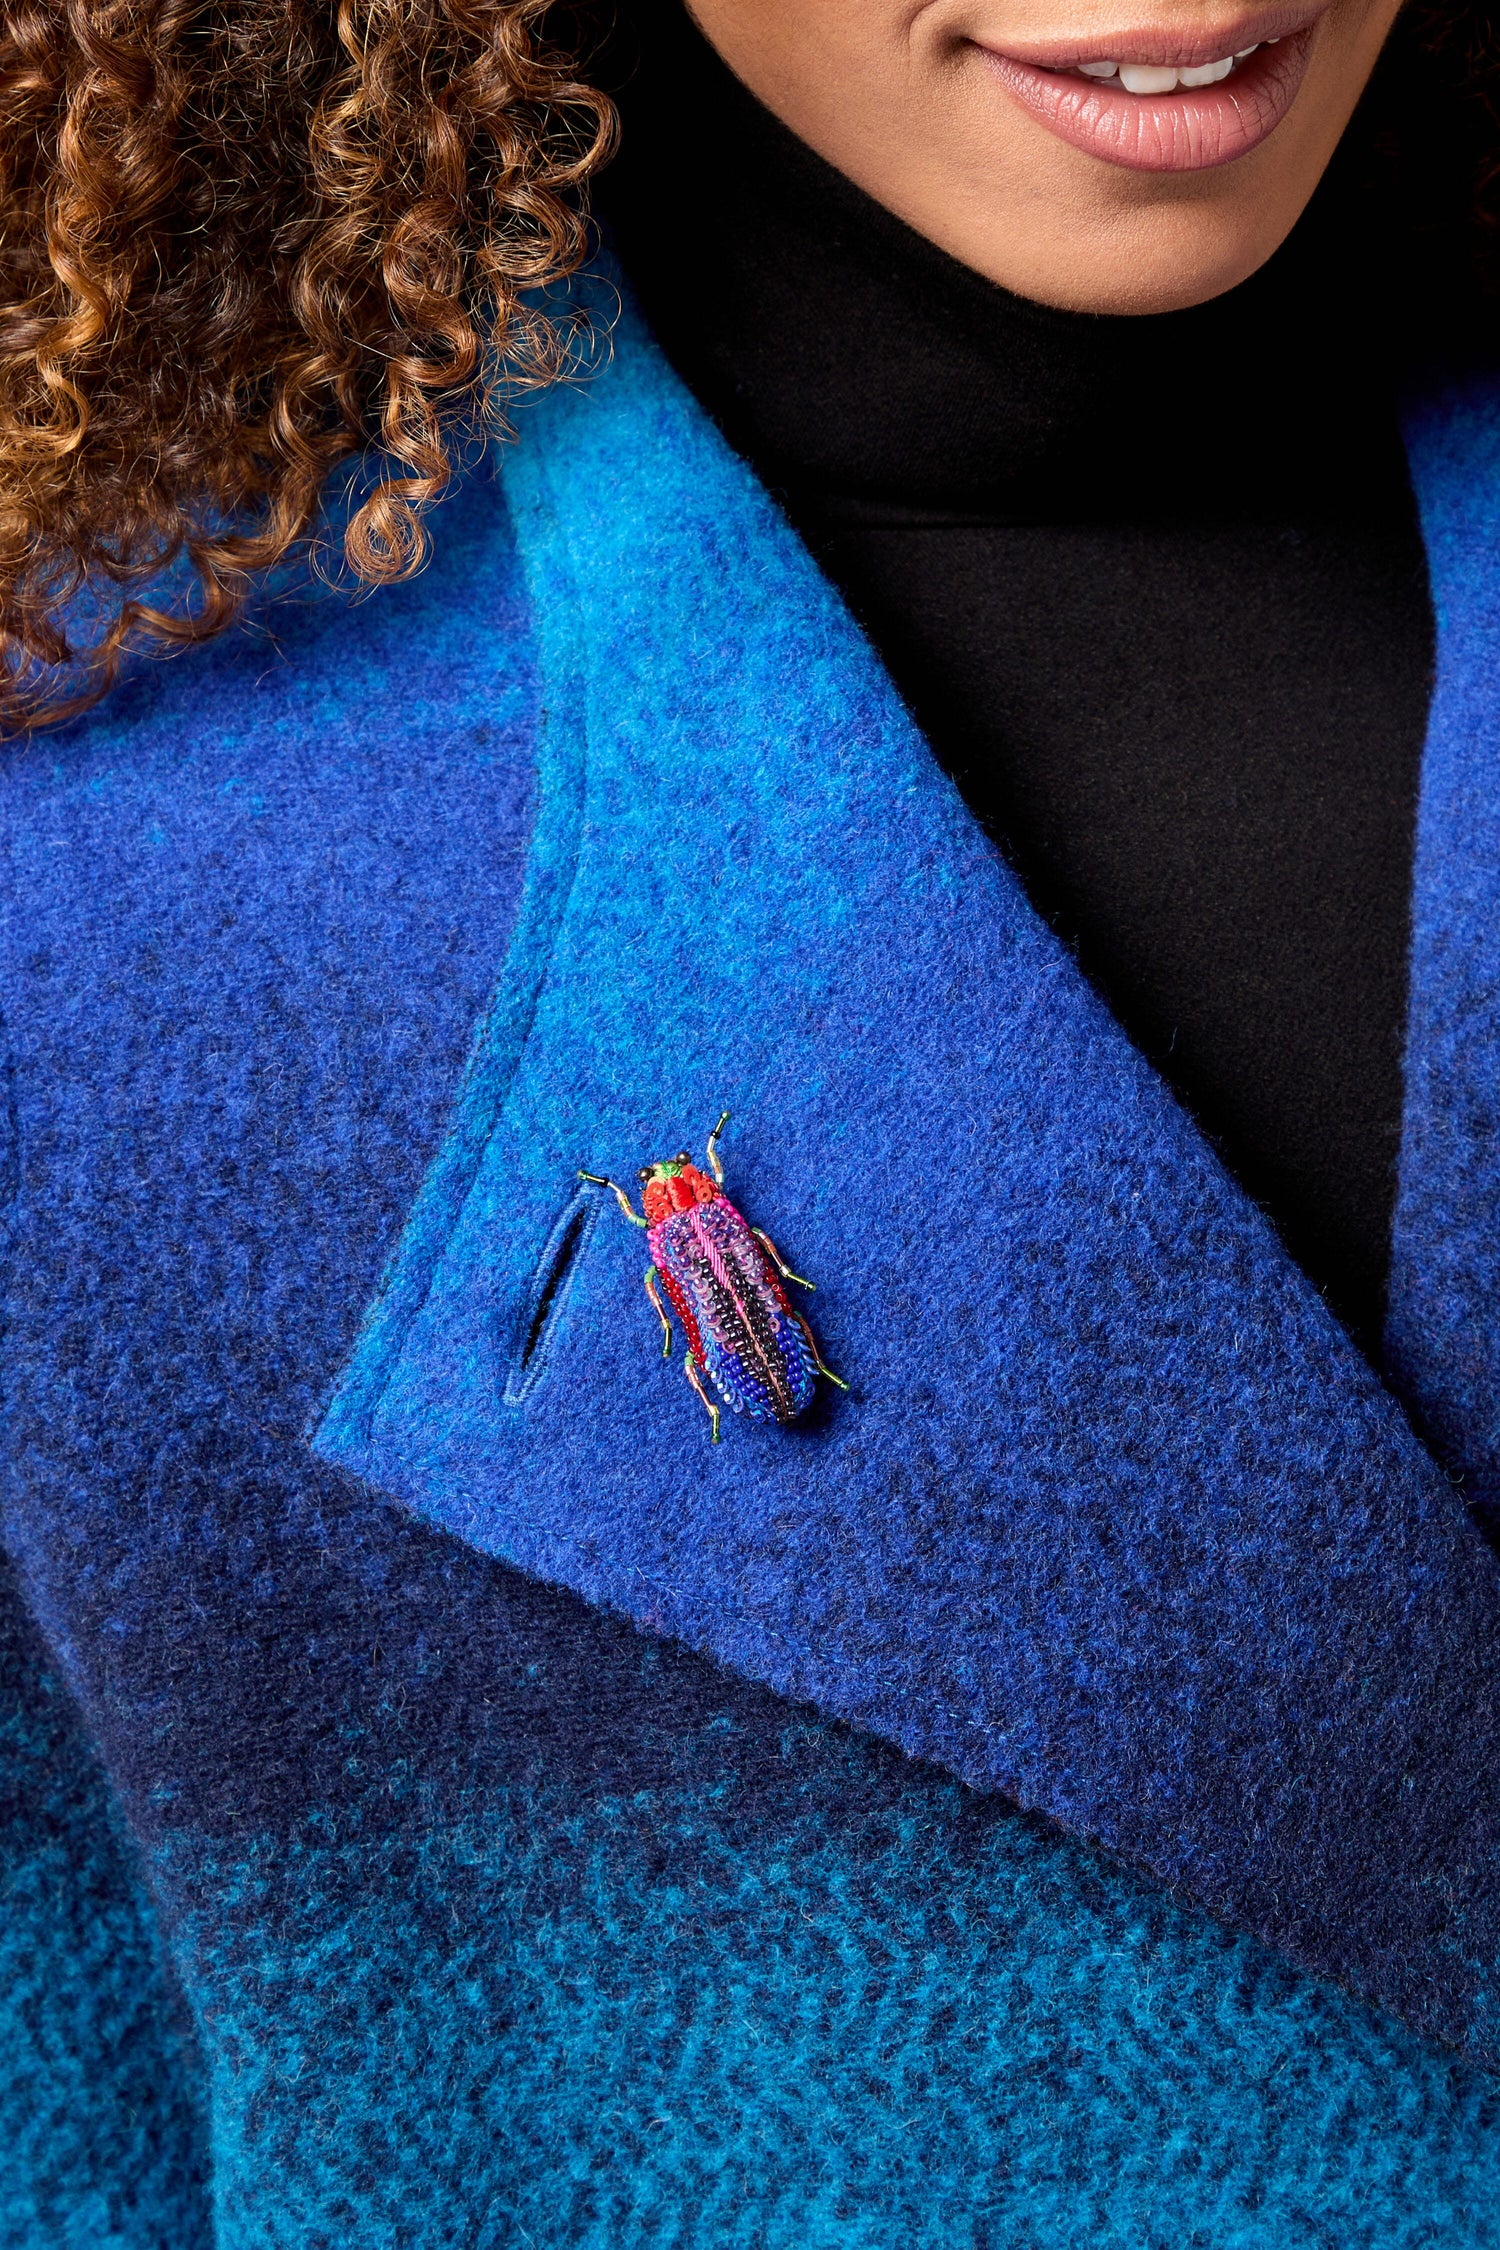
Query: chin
[
  {"x": 1159, "y": 258},
  {"x": 1146, "y": 276}
]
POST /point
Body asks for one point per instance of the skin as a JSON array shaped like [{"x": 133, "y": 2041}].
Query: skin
[{"x": 903, "y": 97}]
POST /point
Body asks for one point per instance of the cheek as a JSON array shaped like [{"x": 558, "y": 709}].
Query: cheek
[
  {"x": 1347, "y": 45},
  {"x": 817, "y": 57}
]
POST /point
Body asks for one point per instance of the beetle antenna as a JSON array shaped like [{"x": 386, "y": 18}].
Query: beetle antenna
[
  {"x": 599, "y": 1180},
  {"x": 714, "y": 1165}
]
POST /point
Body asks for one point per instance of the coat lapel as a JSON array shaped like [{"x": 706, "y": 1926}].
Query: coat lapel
[
  {"x": 1114, "y": 1519},
  {"x": 1443, "y": 1335}
]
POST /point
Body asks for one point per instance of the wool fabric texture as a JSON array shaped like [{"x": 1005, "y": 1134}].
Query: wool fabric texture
[
  {"x": 497, "y": 1816},
  {"x": 1117, "y": 1520},
  {"x": 101, "y": 2096}
]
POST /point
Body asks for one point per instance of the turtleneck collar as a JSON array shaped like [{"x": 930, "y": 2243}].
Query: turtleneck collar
[{"x": 857, "y": 365}]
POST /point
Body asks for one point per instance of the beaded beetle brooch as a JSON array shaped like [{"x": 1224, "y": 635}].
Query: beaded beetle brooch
[{"x": 723, "y": 1279}]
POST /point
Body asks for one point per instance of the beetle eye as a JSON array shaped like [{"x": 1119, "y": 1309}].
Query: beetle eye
[
  {"x": 682, "y": 1157},
  {"x": 644, "y": 1173}
]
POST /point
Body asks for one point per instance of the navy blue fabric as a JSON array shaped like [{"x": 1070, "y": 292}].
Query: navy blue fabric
[
  {"x": 1115, "y": 1520},
  {"x": 251, "y": 913},
  {"x": 498, "y": 1920}
]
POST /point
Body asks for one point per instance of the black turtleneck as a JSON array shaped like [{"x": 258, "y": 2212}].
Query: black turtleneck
[{"x": 1154, "y": 589}]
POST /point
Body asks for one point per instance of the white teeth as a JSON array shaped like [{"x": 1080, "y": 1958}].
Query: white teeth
[
  {"x": 1159, "y": 78},
  {"x": 1207, "y": 74},
  {"x": 1146, "y": 78}
]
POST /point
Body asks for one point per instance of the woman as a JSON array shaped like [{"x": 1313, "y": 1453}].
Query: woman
[{"x": 1035, "y": 1779}]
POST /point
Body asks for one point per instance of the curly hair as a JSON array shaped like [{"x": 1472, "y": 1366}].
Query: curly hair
[{"x": 244, "y": 240}]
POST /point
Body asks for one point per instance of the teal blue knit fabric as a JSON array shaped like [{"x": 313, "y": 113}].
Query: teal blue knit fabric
[
  {"x": 103, "y": 2131},
  {"x": 789, "y": 1994},
  {"x": 483, "y": 1914}
]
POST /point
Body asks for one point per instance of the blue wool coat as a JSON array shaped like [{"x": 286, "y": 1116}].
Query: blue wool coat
[{"x": 1051, "y": 1796}]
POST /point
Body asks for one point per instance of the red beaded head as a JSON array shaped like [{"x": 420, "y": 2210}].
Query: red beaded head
[{"x": 673, "y": 1185}]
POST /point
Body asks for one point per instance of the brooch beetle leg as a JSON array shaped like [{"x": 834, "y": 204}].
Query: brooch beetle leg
[{"x": 723, "y": 1279}]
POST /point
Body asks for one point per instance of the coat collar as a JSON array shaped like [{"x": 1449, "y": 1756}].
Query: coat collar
[
  {"x": 1115, "y": 1519},
  {"x": 1443, "y": 1332}
]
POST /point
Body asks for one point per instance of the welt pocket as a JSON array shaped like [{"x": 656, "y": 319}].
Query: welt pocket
[{"x": 544, "y": 1305}]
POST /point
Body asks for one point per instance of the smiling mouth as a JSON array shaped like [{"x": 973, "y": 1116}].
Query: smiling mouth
[{"x": 1160, "y": 104}]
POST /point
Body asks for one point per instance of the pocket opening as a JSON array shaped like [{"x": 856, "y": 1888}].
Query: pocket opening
[{"x": 548, "y": 1293}]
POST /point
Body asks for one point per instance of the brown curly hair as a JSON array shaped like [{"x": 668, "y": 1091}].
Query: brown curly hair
[{"x": 243, "y": 240}]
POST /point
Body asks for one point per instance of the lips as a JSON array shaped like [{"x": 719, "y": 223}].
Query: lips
[{"x": 1175, "y": 122}]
